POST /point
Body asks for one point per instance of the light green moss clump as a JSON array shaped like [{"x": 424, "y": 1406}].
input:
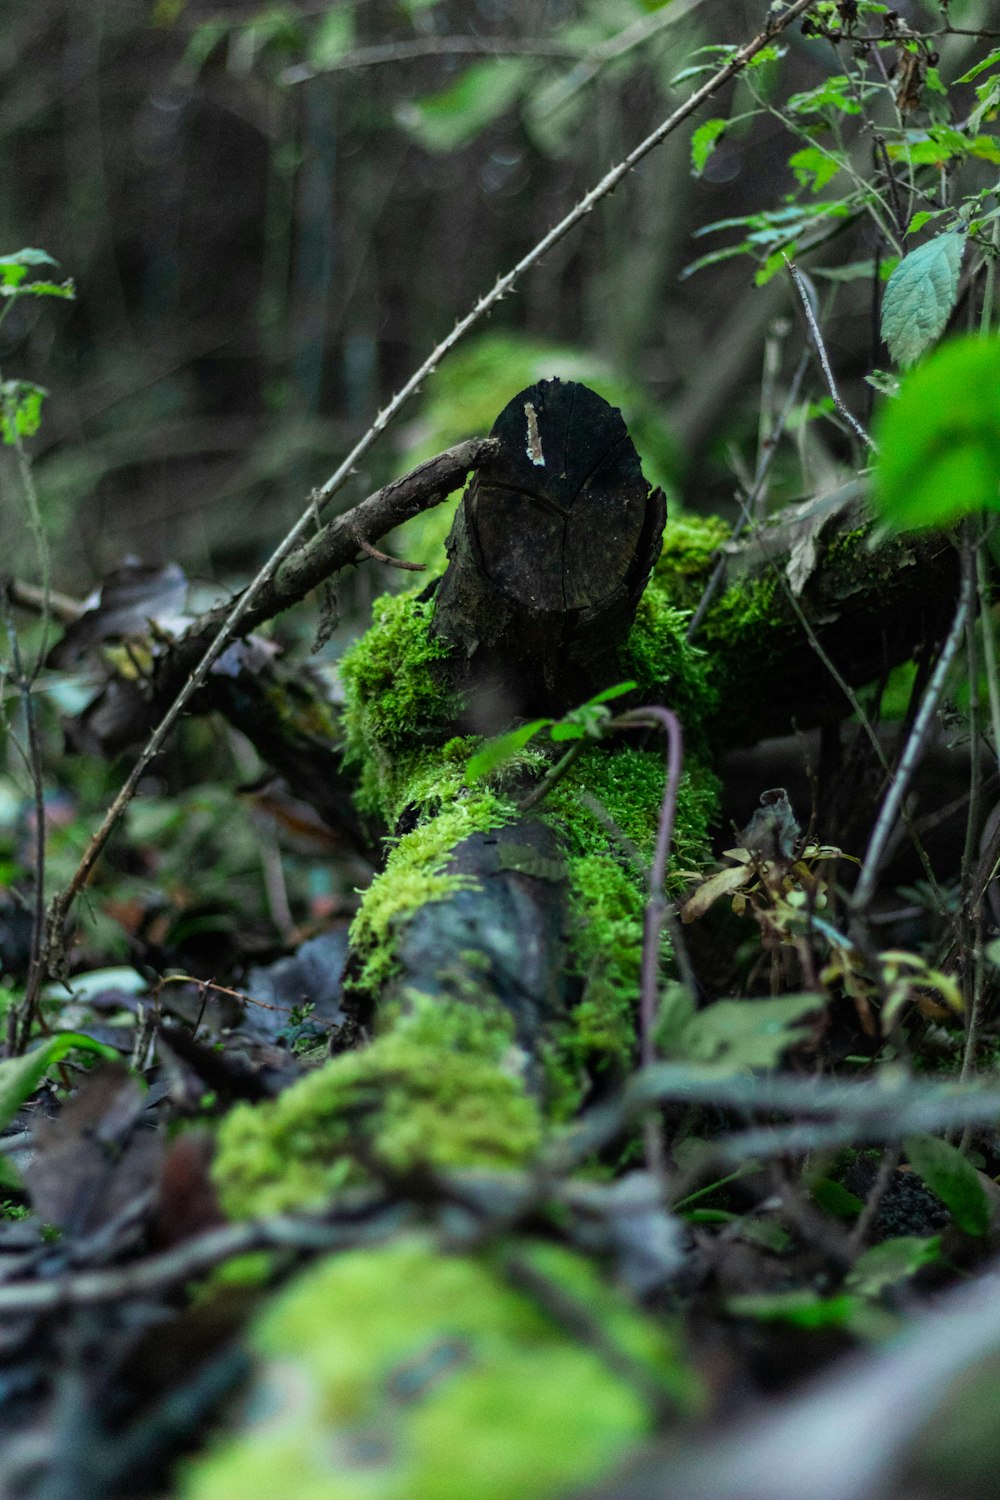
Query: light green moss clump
[
  {"x": 395, "y": 700},
  {"x": 608, "y": 812},
  {"x": 416, "y": 870},
  {"x": 441, "y": 1087},
  {"x": 405, "y": 1374}
]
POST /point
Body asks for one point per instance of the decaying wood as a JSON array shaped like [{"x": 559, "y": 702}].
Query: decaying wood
[{"x": 548, "y": 556}]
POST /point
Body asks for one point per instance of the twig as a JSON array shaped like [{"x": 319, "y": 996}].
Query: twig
[
  {"x": 821, "y": 354},
  {"x": 901, "y": 219},
  {"x": 27, "y": 1010},
  {"x": 431, "y": 46},
  {"x": 237, "y": 615},
  {"x": 873, "y": 1202},
  {"x": 391, "y": 562},
  {"x": 836, "y": 1113},
  {"x": 351, "y": 1226},
  {"x": 334, "y": 547},
  {"x": 913, "y": 748},
  {"x": 656, "y": 905},
  {"x": 61, "y": 607}
]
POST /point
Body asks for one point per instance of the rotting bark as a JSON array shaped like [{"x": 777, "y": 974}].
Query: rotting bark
[{"x": 548, "y": 556}]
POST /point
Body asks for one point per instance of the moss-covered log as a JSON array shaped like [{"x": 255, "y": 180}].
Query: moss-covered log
[{"x": 495, "y": 964}]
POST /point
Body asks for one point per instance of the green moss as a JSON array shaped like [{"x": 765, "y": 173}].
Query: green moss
[
  {"x": 416, "y": 871},
  {"x": 608, "y": 811},
  {"x": 400, "y": 1372},
  {"x": 690, "y": 546},
  {"x": 394, "y": 699},
  {"x": 440, "y": 1086}
]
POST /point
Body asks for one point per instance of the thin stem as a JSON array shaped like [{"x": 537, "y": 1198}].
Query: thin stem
[
  {"x": 989, "y": 646},
  {"x": 824, "y": 360},
  {"x": 656, "y": 905},
  {"x": 913, "y": 748},
  {"x": 29, "y": 1006}
]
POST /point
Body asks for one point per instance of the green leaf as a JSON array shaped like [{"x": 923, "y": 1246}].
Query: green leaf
[
  {"x": 332, "y": 38},
  {"x": 704, "y": 141},
  {"x": 814, "y": 168},
  {"x": 66, "y": 289},
  {"x": 892, "y": 1261},
  {"x": 923, "y": 217},
  {"x": 834, "y": 94},
  {"x": 734, "y": 1036},
  {"x": 939, "y": 440},
  {"x": 618, "y": 691},
  {"x": 953, "y": 1178},
  {"x": 455, "y": 116},
  {"x": 497, "y": 750},
  {"x": 28, "y": 257},
  {"x": 980, "y": 67},
  {"x": 920, "y": 295},
  {"x": 20, "y": 1076},
  {"x": 834, "y": 1199},
  {"x": 20, "y": 409},
  {"x": 802, "y": 1308}
]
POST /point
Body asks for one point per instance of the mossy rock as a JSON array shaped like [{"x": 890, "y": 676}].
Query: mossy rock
[{"x": 404, "y": 1372}]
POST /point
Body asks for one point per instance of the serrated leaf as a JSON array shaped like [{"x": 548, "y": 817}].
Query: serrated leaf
[
  {"x": 814, "y": 168},
  {"x": 920, "y": 295},
  {"x": 939, "y": 441},
  {"x": 953, "y": 1178},
  {"x": 704, "y": 141},
  {"x": 20, "y": 409}
]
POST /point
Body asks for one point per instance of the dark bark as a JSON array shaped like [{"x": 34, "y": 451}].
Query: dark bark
[{"x": 548, "y": 557}]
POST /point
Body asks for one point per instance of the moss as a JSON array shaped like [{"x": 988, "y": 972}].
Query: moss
[
  {"x": 394, "y": 699},
  {"x": 688, "y": 553},
  {"x": 416, "y": 871},
  {"x": 440, "y": 1086},
  {"x": 400, "y": 1372},
  {"x": 608, "y": 812}
]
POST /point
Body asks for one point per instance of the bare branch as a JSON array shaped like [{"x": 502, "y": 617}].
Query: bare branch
[{"x": 821, "y": 354}]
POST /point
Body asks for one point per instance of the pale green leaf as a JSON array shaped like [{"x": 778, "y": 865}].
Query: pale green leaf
[
  {"x": 814, "y": 168},
  {"x": 893, "y": 1261},
  {"x": 920, "y": 295},
  {"x": 980, "y": 67},
  {"x": 456, "y": 115},
  {"x": 953, "y": 1178},
  {"x": 734, "y": 1036}
]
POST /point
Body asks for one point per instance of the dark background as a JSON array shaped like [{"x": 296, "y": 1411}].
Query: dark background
[{"x": 259, "y": 263}]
